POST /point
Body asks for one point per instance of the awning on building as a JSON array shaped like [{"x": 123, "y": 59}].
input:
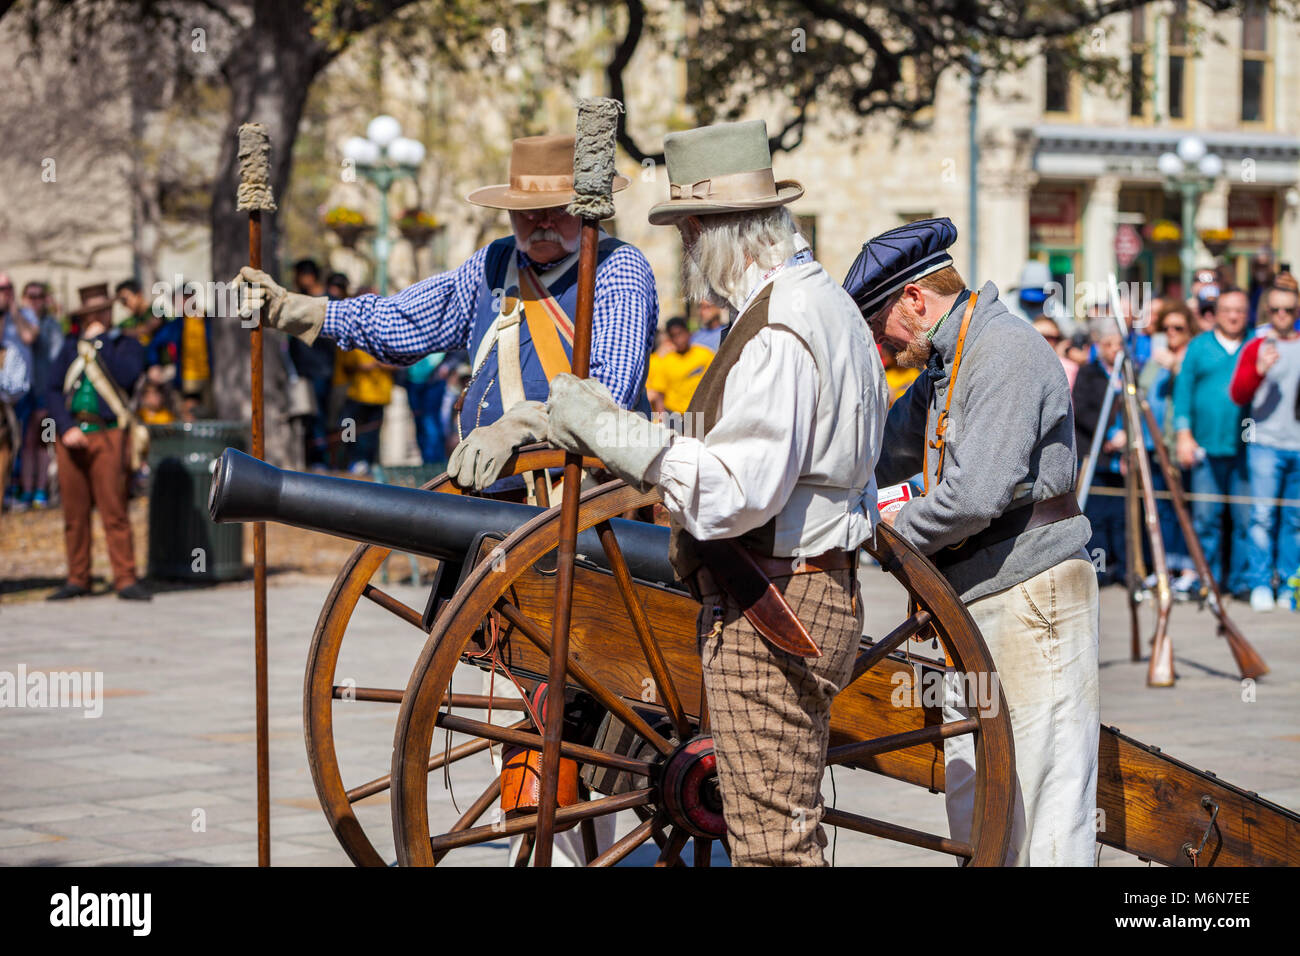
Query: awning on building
[{"x": 1086, "y": 152}]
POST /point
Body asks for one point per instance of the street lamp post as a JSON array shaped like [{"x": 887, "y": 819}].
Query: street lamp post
[
  {"x": 1190, "y": 170},
  {"x": 382, "y": 156}
]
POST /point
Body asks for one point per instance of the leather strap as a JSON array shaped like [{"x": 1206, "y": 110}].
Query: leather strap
[
  {"x": 546, "y": 323},
  {"x": 836, "y": 559},
  {"x": 938, "y": 443},
  {"x": 112, "y": 395},
  {"x": 1008, "y": 525}
]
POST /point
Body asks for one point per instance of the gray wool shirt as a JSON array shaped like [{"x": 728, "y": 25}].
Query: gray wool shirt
[{"x": 1010, "y": 438}]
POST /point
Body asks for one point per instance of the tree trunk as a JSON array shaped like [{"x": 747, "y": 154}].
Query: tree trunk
[{"x": 270, "y": 70}]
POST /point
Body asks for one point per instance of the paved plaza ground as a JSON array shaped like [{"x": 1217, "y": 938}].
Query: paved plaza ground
[{"x": 165, "y": 775}]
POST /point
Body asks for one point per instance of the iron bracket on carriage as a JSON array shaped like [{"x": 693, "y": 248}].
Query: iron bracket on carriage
[{"x": 636, "y": 728}]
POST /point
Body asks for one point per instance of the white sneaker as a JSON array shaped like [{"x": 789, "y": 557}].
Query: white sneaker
[
  {"x": 1261, "y": 599},
  {"x": 1186, "y": 586},
  {"x": 1286, "y": 601}
]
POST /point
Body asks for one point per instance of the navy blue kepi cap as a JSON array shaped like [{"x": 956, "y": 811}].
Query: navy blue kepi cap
[{"x": 893, "y": 259}]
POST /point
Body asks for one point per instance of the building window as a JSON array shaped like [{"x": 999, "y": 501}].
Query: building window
[
  {"x": 1057, "y": 82},
  {"x": 1137, "y": 65},
  {"x": 1180, "y": 55},
  {"x": 1255, "y": 72}
]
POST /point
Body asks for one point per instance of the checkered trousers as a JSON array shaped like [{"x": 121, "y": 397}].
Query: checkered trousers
[{"x": 770, "y": 716}]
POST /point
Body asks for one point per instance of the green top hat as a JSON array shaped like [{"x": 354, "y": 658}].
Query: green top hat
[{"x": 722, "y": 168}]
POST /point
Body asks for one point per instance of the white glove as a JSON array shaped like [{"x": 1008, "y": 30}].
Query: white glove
[
  {"x": 477, "y": 461},
  {"x": 585, "y": 419},
  {"x": 291, "y": 312}
]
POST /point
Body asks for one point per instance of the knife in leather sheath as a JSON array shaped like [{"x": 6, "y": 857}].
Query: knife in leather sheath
[{"x": 737, "y": 573}]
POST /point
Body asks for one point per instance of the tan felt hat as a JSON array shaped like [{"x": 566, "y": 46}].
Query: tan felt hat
[
  {"x": 541, "y": 176},
  {"x": 94, "y": 299},
  {"x": 726, "y": 167}
]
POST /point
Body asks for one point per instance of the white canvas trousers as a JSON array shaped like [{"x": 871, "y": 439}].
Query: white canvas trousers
[{"x": 1043, "y": 637}]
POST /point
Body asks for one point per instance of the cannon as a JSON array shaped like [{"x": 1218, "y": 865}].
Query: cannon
[{"x": 640, "y": 727}]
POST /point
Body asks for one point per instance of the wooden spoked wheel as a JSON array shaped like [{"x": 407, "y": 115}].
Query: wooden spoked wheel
[
  {"x": 322, "y": 692},
  {"x": 617, "y": 652}
]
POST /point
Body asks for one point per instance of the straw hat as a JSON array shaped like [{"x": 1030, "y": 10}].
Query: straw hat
[
  {"x": 541, "y": 176},
  {"x": 722, "y": 168}
]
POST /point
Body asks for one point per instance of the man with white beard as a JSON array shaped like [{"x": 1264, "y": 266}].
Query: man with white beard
[
  {"x": 511, "y": 304},
  {"x": 770, "y": 505}
]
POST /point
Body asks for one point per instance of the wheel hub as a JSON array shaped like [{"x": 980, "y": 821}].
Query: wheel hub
[{"x": 689, "y": 787}]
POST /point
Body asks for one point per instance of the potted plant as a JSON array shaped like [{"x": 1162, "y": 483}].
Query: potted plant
[
  {"x": 418, "y": 226},
  {"x": 1164, "y": 234},
  {"x": 346, "y": 223},
  {"x": 1216, "y": 240}
]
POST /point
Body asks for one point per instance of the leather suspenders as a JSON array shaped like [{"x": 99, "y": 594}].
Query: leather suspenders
[{"x": 938, "y": 443}]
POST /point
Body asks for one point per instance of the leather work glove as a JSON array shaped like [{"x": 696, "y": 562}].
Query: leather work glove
[
  {"x": 585, "y": 419},
  {"x": 476, "y": 462},
  {"x": 292, "y": 312}
]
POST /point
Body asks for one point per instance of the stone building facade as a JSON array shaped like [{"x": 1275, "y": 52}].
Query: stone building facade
[{"x": 1058, "y": 167}]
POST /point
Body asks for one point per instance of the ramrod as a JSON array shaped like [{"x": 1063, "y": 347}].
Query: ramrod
[{"x": 405, "y": 519}]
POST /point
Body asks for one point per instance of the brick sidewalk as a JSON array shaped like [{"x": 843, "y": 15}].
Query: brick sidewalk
[{"x": 166, "y": 774}]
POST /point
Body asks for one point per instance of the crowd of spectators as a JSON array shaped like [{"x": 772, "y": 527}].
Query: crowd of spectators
[
  {"x": 1220, "y": 369},
  {"x": 1221, "y": 372}
]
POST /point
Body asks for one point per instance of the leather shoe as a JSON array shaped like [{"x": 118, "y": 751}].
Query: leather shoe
[
  {"x": 68, "y": 591},
  {"x": 134, "y": 592}
]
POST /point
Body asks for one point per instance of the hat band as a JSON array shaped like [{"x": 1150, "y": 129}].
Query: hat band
[
  {"x": 920, "y": 270},
  {"x": 732, "y": 187},
  {"x": 529, "y": 183}
]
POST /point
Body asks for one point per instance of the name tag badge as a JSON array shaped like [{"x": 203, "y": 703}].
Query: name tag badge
[{"x": 892, "y": 499}]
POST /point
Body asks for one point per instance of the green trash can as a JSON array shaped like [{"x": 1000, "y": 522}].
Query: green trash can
[{"x": 184, "y": 543}]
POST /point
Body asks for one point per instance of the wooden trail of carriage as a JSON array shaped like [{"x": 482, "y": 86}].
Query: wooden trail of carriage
[{"x": 634, "y": 627}]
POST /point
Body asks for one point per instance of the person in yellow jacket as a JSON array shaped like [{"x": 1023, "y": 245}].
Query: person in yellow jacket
[
  {"x": 369, "y": 389},
  {"x": 674, "y": 372}
]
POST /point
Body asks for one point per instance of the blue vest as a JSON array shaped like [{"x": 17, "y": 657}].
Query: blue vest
[{"x": 482, "y": 404}]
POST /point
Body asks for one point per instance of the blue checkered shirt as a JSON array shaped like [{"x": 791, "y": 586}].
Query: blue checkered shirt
[{"x": 437, "y": 314}]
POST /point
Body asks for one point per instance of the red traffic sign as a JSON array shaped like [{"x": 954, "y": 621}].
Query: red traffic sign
[{"x": 1128, "y": 244}]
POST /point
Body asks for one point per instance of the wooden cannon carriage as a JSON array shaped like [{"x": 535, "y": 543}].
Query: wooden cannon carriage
[{"x": 634, "y": 628}]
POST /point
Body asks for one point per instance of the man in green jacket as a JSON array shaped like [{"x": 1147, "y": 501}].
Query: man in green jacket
[{"x": 1208, "y": 431}]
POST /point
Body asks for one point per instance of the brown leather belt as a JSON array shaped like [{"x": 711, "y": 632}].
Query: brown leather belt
[
  {"x": 836, "y": 559},
  {"x": 1008, "y": 525}
]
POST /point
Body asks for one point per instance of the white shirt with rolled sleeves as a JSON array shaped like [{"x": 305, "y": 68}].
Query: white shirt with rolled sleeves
[{"x": 799, "y": 430}]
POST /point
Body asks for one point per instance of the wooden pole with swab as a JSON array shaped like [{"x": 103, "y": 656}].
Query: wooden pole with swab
[
  {"x": 593, "y": 184},
  {"x": 255, "y": 196}
]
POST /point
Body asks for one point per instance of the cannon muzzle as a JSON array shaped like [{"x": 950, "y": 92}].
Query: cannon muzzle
[{"x": 405, "y": 519}]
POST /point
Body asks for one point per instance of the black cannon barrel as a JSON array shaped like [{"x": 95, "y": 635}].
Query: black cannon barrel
[{"x": 437, "y": 525}]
